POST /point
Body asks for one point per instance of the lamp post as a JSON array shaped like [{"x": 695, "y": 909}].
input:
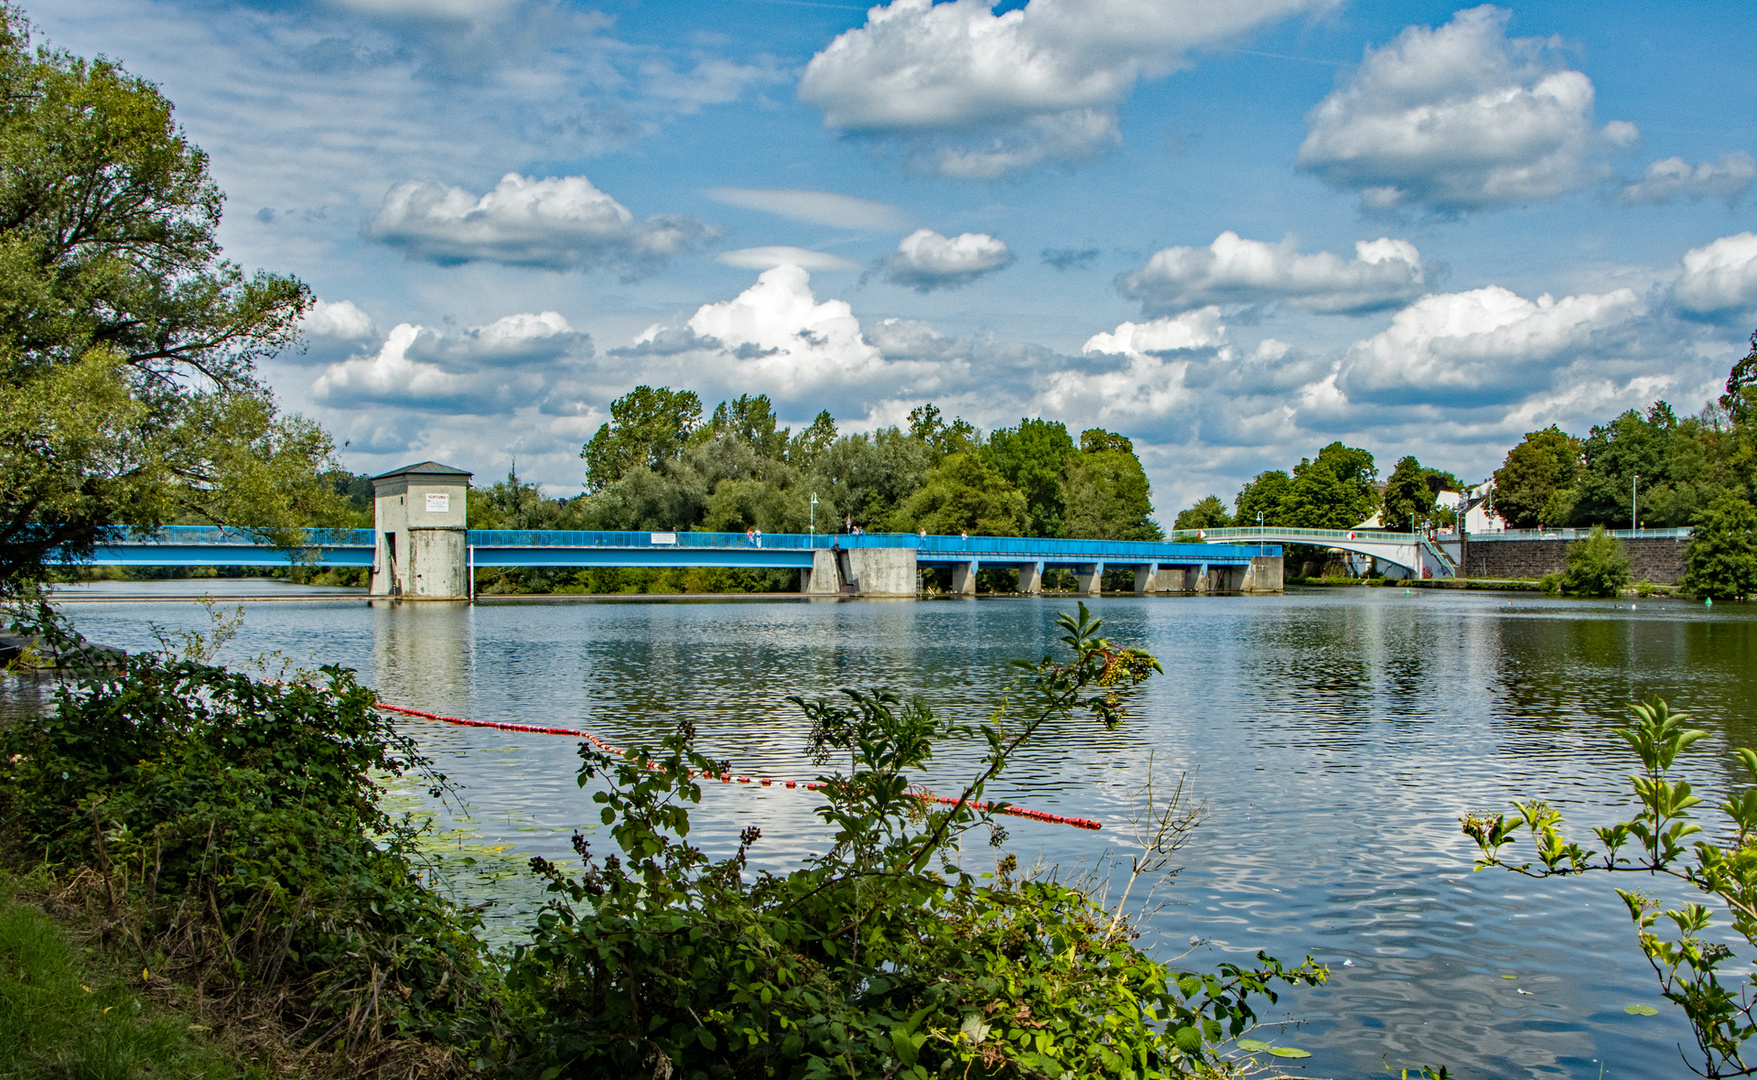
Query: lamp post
[
  {"x": 814, "y": 518},
  {"x": 1635, "y": 504}
]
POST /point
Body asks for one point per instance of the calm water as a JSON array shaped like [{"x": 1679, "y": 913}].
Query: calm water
[{"x": 1337, "y": 735}]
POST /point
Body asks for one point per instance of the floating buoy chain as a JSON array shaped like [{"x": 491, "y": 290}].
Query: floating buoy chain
[{"x": 727, "y": 778}]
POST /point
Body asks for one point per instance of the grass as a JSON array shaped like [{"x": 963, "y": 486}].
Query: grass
[{"x": 63, "y": 1017}]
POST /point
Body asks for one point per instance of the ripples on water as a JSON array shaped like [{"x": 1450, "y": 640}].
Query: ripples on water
[{"x": 1337, "y": 735}]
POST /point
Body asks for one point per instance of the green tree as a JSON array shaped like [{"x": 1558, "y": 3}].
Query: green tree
[
  {"x": 128, "y": 392},
  {"x": 962, "y": 494},
  {"x": 752, "y": 419},
  {"x": 1409, "y": 498},
  {"x": 1266, "y": 494},
  {"x": 1335, "y": 490},
  {"x": 1740, "y": 399},
  {"x": 1209, "y": 513},
  {"x": 648, "y": 429},
  {"x": 1106, "y": 491},
  {"x": 1031, "y": 457},
  {"x": 809, "y": 445},
  {"x": 958, "y": 437},
  {"x": 1598, "y": 565},
  {"x": 862, "y": 478},
  {"x": 1721, "y": 560},
  {"x": 1545, "y": 463}
]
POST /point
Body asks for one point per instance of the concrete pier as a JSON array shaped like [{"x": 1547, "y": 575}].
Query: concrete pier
[
  {"x": 422, "y": 545},
  {"x": 1089, "y": 579},
  {"x": 864, "y": 572},
  {"x": 1031, "y": 579}
]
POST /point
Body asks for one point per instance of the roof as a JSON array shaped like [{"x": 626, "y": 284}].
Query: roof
[{"x": 424, "y": 468}]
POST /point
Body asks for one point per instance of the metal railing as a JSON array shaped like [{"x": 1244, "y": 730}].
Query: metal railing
[
  {"x": 1320, "y": 537},
  {"x": 1578, "y": 534},
  {"x": 994, "y": 547}
]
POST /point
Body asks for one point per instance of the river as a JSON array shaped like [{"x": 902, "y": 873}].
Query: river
[{"x": 1336, "y": 736}]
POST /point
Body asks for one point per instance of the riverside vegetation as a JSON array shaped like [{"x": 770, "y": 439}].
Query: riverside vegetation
[{"x": 227, "y": 833}]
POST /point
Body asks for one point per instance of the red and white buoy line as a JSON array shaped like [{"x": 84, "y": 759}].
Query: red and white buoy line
[{"x": 727, "y": 778}]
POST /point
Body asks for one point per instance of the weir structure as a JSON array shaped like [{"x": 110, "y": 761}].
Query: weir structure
[{"x": 421, "y": 548}]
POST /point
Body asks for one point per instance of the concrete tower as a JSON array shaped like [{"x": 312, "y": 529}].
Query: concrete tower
[{"x": 423, "y": 543}]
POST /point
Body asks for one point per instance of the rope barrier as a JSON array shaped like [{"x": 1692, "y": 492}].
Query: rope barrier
[{"x": 727, "y": 778}]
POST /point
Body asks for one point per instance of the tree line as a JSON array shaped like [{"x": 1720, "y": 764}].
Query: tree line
[{"x": 659, "y": 464}]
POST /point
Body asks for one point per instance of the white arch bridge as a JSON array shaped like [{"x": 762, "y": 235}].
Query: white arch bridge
[{"x": 1414, "y": 552}]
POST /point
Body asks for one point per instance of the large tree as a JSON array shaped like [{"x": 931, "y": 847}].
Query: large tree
[
  {"x": 1409, "y": 498},
  {"x": 962, "y": 494},
  {"x": 1031, "y": 457},
  {"x": 1545, "y": 464},
  {"x": 1106, "y": 491},
  {"x": 1209, "y": 513},
  {"x": 648, "y": 429},
  {"x": 128, "y": 392},
  {"x": 1335, "y": 490}
]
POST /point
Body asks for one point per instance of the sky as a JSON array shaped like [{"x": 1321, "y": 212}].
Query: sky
[{"x": 1232, "y": 231}]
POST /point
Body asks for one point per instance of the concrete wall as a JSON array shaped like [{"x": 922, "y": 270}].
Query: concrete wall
[
  {"x": 871, "y": 572},
  {"x": 1659, "y": 560},
  {"x": 1263, "y": 575}
]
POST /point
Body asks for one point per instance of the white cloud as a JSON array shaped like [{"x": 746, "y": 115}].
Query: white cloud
[
  {"x": 1201, "y": 329},
  {"x": 1719, "y": 278},
  {"x": 767, "y": 258},
  {"x": 1478, "y": 347},
  {"x": 389, "y": 375},
  {"x": 559, "y": 223},
  {"x": 426, "y": 9},
  {"x": 816, "y": 207},
  {"x": 1232, "y": 270},
  {"x": 1667, "y": 179},
  {"x": 785, "y": 336},
  {"x": 1458, "y": 118},
  {"x": 339, "y": 320},
  {"x": 507, "y": 364},
  {"x": 998, "y": 93},
  {"x": 925, "y": 260}
]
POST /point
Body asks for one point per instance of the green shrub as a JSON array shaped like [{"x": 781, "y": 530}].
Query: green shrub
[
  {"x": 232, "y": 827},
  {"x": 1597, "y": 566},
  {"x": 1721, "y": 560}
]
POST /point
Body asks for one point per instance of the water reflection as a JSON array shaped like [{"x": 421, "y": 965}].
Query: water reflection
[{"x": 1337, "y": 735}]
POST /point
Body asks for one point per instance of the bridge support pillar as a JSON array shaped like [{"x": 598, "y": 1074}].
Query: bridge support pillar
[
  {"x": 1090, "y": 579},
  {"x": 964, "y": 577},
  {"x": 1204, "y": 583},
  {"x": 1031, "y": 579},
  {"x": 1146, "y": 578},
  {"x": 422, "y": 550},
  {"x": 1263, "y": 575},
  {"x": 825, "y": 576}
]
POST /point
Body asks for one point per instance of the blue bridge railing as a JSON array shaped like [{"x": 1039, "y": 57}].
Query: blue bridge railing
[{"x": 203, "y": 545}]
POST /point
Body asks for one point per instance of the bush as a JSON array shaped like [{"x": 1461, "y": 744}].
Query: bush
[
  {"x": 1721, "y": 560},
  {"x": 1597, "y": 566},
  {"x": 230, "y": 831}
]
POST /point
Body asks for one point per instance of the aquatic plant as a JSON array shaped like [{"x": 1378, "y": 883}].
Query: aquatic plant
[{"x": 1658, "y": 840}]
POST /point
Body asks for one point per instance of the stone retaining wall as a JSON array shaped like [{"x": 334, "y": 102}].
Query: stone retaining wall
[{"x": 1660, "y": 561}]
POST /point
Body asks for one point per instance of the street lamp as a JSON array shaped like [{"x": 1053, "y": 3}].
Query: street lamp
[
  {"x": 1635, "y": 504},
  {"x": 1259, "y": 532},
  {"x": 814, "y": 515}
]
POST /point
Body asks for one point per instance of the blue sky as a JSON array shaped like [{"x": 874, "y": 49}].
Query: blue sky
[{"x": 1232, "y": 231}]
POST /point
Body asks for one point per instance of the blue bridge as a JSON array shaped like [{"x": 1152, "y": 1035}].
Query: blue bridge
[{"x": 865, "y": 564}]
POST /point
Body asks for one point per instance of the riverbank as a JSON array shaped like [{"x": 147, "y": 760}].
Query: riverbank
[{"x": 70, "y": 1009}]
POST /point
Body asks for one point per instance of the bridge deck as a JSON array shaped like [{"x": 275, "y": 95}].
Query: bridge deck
[{"x": 202, "y": 546}]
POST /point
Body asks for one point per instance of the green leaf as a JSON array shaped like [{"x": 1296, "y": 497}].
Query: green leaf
[
  {"x": 1289, "y": 1052},
  {"x": 1509, "y": 976},
  {"x": 1252, "y": 1046},
  {"x": 1641, "y": 1010},
  {"x": 1189, "y": 1040}
]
